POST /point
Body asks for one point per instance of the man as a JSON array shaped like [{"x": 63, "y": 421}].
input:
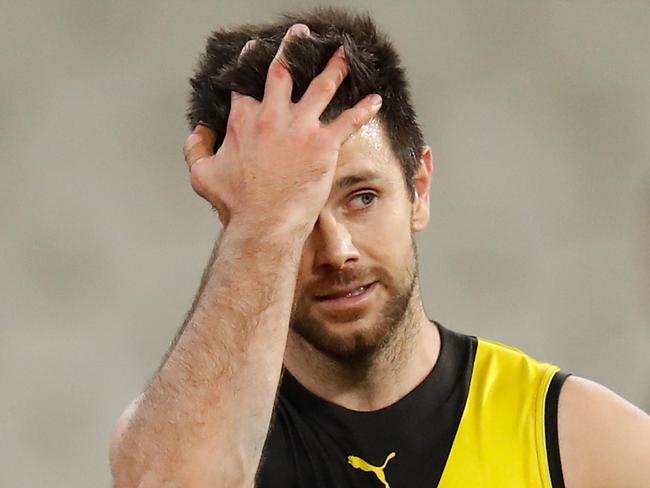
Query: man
[{"x": 307, "y": 359}]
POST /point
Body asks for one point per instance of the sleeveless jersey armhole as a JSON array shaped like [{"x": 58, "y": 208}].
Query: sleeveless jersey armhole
[{"x": 550, "y": 428}]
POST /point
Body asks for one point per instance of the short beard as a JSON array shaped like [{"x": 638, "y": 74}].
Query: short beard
[{"x": 362, "y": 349}]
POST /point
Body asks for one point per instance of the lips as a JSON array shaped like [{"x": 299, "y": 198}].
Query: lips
[{"x": 344, "y": 293}]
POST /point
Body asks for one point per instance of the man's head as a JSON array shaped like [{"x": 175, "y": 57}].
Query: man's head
[
  {"x": 373, "y": 62},
  {"x": 364, "y": 234}
]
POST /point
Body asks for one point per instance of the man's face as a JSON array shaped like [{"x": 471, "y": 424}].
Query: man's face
[{"x": 363, "y": 237}]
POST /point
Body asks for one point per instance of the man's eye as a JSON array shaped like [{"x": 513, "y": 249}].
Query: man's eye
[{"x": 363, "y": 200}]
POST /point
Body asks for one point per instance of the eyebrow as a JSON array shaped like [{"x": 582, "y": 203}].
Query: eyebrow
[{"x": 348, "y": 181}]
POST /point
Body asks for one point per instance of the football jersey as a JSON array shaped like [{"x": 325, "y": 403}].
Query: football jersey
[{"x": 485, "y": 416}]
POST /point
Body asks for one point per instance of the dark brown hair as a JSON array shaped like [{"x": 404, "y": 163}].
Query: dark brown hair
[{"x": 374, "y": 68}]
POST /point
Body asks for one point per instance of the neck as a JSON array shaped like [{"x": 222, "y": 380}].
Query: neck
[{"x": 375, "y": 382}]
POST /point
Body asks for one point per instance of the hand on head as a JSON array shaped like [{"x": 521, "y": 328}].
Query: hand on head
[{"x": 277, "y": 160}]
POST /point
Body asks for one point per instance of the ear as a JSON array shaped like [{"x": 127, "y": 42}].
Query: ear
[{"x": 421, "y": 184}]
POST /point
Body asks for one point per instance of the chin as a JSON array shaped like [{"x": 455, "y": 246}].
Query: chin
[
  {"x": 344, "y": 341},
  {"x": 352, "y": 336}
]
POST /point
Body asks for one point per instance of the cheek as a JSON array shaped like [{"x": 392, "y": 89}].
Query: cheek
[
  {"x": 385, "y": 236},
  {"x": 392, "y": 215}
]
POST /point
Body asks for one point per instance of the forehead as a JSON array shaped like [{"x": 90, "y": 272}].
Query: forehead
[{"x": 368, "y": 149}]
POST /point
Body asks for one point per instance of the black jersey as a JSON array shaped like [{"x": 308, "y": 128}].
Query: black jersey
[{"x": 424, "y": 439}]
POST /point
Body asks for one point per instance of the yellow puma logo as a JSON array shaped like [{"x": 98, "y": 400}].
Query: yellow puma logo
[{"x": 359, "y": 463}]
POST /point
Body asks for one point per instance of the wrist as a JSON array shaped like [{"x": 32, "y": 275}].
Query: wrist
[
  {"x": 270, "y": 229},
  {"x": 285, "y": 237}
]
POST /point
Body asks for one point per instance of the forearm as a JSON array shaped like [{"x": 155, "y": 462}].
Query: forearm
[{"x": 204, "y": 418}]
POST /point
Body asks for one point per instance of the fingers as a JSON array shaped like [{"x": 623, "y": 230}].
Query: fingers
[
  {"x": 237, "y": 98},
  {"x": 250, "y": 44},
  {"x": 352, "y": 119},
  {"x": 199, "y": 144},
  {"x": 279, "y": 85},
  {"x": 323, "y": 87}
]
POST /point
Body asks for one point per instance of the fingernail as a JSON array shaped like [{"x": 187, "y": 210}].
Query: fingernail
[
  {"x": 340, "y": 52},
  {"x": 299, "y": 30},
  {"x": 375, "y": 100},
  {"x": 248, "y": 46}
]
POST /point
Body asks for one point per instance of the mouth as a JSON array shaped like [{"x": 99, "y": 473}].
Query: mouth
[
  {"x": 347, "y": 297},
  {"x": 346, "y": 293}
]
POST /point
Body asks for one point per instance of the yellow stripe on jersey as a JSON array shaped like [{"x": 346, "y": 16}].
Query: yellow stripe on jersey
[{"x": 501, "y": 441}]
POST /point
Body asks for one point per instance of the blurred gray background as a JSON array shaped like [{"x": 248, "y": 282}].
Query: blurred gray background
[{"x": 538, "y": 114}]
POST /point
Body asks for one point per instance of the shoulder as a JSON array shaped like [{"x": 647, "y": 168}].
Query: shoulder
[
  {"x": 512, "y": 366},
  {"x": 604, "y": 440}
]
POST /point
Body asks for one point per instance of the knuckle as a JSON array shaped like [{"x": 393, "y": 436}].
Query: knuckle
[
  {"x": 340, "y": 66},
  {"x": 277, "y": 69},
  {"x": 267, "y": 120},
  {"x": 235, "y": 121},
  {"x": 358, "y": 119},
  {"x": 198, "y": 178},
  {"x": 232, "y": 124},
  {"x": 363, "y": 115},
  {"x": 191, "y": 142},
  {"x": 210, "y": 183},
  {"x": 325, "y": 85},
  {"x": 232, "y": 131}
]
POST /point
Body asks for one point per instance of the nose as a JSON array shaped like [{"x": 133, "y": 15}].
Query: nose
[{"x": 332, "y": 243}]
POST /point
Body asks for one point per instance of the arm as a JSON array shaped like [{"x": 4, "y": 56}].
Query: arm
[
  {"x": 604, "y": 440},
  {"x": 209, "y": 407},
  {"x": 203, "y": 419}
]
